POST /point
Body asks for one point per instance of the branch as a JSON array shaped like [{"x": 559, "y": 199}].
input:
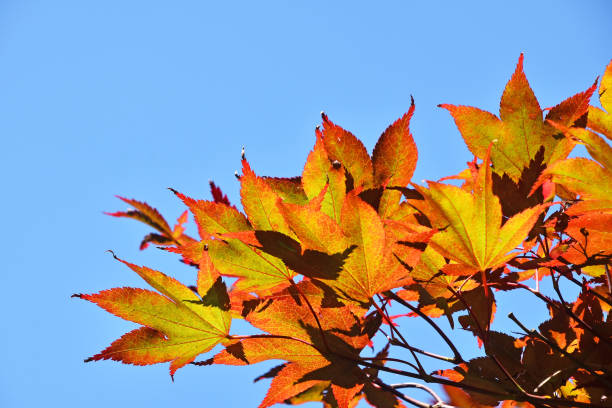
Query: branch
[
  {"x": 438, "y": 404},
  {"x": 439, "y": 401},
  {"x": 458, "y": 358}
]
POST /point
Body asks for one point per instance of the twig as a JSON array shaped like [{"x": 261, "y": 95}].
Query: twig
[
  {"x": 438, "y": 404},
  {"x": 458, "y": 358},
  {"x": 423, "y": 352},
  {"x": 421, "y": 387},
  {"x": 385, "y": 315}
]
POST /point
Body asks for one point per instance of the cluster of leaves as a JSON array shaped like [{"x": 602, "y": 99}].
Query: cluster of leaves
[{"x": 318, "y": 260}]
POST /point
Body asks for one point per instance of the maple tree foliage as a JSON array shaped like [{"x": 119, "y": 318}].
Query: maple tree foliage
[{"x": 316, "y": 261}]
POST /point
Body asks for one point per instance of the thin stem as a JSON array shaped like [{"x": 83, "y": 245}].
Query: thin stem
[
  {"x": 423, "y": 352},
  {"x": 568, "y": 311},
  {"x": 458, "y": 358},
  {"x": 416, "y": 359},
  {"x": 419, "y": 386},
  {"x": 396, "y": 360},
  {"x": 410, "y": 400}
]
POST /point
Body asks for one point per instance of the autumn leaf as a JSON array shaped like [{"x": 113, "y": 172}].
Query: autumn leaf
[
  {"x": 214, "y": 218},
  {"x": 259, "y": 202},
  {"x": 288, "y": 189},
  {"x": 394, "y": 160},
  {"x": 218, "y": 196},
  {"x": 145, "y": 213},
  {"x": 178, "y": 326},
  {"x": 470, "y": 231},
  {"x": 585, "y": 177},
  {"x": 343, "y": 146},
  {"x": 318, "y": 341},
  {"x": 600, "y": 120},
  {"x": 320, "y": 171},
  {"x": 519, "y": 132}
]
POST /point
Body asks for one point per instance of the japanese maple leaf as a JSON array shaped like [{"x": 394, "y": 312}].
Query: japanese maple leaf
[
  {"x": 394, "y": 160},
  {"x": 342, "y": 146},
  {"x": 520, "y": 131},
  {"x": 590, "y": 179},
  {"x": 319, "y": 338},
  {"x": 178, "y": 324},
  {"x": 319, "y": 171},
  {"x": 256, "y": 270},
  {"x": 146, "y": 214},
  {"x": 369, "y": 264},
  {"x": 600, "y": 120},
  {"x": 470, "y": 225}
]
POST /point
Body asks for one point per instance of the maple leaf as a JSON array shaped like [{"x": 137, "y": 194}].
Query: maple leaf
[
  {"x": 256, "y": 270},
  {"x": 520, "y": 131},
  {"x": 321, "y": 343},
  {"x": 145, "y": 213},
  {"x": 218, "y": 196},
  {"x": 470, "y": 224},
  {"x": 343, "y": 146},
  {"x": 585, "y": 177},
  {"x": 179, "y": 326},
  {"x": 599, "y": 120},
  {"x": 288, "y": 189},
  {"x": 259, "y": 202},
  {"x": 320, "y": 171},
  {"x": 394, "y": 158}
]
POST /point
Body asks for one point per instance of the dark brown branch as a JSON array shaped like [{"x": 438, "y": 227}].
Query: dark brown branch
[{"x": 458, "y": 358}]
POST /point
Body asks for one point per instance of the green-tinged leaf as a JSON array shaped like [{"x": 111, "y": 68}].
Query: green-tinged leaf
[
  {"x": 178, "y": 327},
  {"x": 214, "y": 218},
  {"x": 600, "y": 121},
  {"x": 257, "y": 271},
  {"x": 514, "y": 231},
  {"x": 215, "y": 313},
  {"x": 288, "y": 189},
  {"x": 343, "y": 146},
  {"x": 597, "y": 147},
  {"x": 581, "y": 176},
  {"x": 455, "y": 208},
  {"x": 314, "y": 229},
  {"x": 473, "y": 234},
  {"x": 259, "y": 202},
  {"x": 479, "y": 129},
  {"x": 521, "y": 132},
  {"x": 319, "y": 172},
  {"x": 487, "y": 214},
  {"x": 605, "y": 89}
]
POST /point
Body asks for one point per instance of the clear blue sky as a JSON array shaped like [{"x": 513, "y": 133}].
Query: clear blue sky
[{"x": 130, "y": 97}]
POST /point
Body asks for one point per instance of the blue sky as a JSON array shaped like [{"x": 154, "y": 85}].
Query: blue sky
[{"x": 117, "y": 97}]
